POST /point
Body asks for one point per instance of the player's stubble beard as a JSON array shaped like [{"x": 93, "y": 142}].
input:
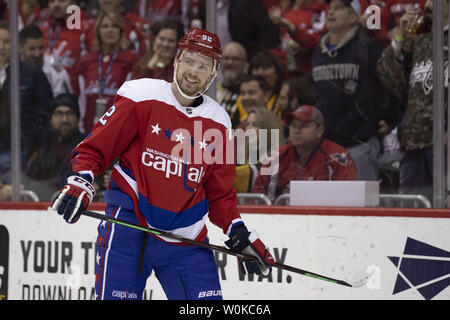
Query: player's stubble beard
[{"x": 190, "y": 88}]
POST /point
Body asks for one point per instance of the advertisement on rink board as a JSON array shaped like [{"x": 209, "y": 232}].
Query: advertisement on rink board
[{"x": 44, "y": 258}]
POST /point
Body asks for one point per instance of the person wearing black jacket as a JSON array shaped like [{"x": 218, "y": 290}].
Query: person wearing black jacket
[
  {"x": 35, "y": 99},
  {"x": 250, "y": 25},
  {"x": 349, "y": 93},
  {"x": 52, "y": 162}
]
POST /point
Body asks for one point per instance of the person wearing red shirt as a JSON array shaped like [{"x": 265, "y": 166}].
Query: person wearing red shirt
[
  {"x": 159, "y": 10},
  {"x": 103, "y": 71},
  {"x": 30, "y": 12},
  {"x": 63, "y": 45},
  {"x": 300, "y": 29},
  {"x": 391, "y": 11},
  {"x": 308, "y": 156}
]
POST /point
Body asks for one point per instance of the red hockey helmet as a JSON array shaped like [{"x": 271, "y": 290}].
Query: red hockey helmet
[{"x": 201, "y": 41}]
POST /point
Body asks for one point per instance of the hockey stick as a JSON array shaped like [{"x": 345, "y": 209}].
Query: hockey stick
[{"x": 225, "y": 250}]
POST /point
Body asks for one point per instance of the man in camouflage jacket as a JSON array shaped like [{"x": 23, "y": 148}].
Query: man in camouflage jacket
[{"x": 406, "y": 68}]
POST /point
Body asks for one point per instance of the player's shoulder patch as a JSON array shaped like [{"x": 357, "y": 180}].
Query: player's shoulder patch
[
  {"x": 336, "y": 153},
  {"x": 340, "y": 157}
]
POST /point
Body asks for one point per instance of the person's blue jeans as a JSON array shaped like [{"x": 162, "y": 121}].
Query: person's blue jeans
[
  {"x": 365, "y": 156},
  {"x": 416, "y": 172}
]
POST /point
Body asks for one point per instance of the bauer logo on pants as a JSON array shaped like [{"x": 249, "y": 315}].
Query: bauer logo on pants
[
  {"x": 422, "y": 267},
  {"x": 4, "y": 257}
]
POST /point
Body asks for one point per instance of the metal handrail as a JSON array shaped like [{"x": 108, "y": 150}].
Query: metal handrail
[
  {"x": 254, "y": 196},
  {"x": 30, "y": 194},
  {"x": 283, "y": 199},
  {"x": 406, "y": 197}
]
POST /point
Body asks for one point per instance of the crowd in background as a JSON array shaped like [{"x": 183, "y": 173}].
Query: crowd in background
[{"x": 350, "y": 102}]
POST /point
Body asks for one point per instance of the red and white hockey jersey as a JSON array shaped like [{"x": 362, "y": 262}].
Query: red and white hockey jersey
[
  {"x": 63, "y": 46},
  {"x": 165, "y": 172},
  {"x": 310, "y": 23},
  {"x": 114, "y": 70},
  {"x": 159, "y": 10}
]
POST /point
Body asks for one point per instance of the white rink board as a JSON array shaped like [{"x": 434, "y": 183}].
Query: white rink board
[{"x": 342, "y": 247}]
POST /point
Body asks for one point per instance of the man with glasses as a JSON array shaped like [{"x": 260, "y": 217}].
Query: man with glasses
[
  {"x": 171, "y": 175},
  {"x": 234, "y": 66},
  {"x": 52, "y": 161}
]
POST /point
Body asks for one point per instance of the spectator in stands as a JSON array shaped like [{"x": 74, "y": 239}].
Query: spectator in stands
[
  {"x": 308, "y": 156},
  {"x": 103, "y": 71},
  {"x": 157, "y": 62},
  {"x": 301, "y": 27},
  {"x": 136, "y": 28},
  {"x": 30, "y": 12},
  {"x": 35, "y": 98},
  {"x": 267, "y": 65},
  {"x": 405, "y": 69},
  {"x": 5, "y": 192},
  {"x": 294, "y": 92},
  {"x": 349, "y": 92},
  {"x": 160, "y": 10},
  {"x": 63, "y": 45},
  {"x": 234, "y": 67},
  {"x": 254, "y": 93},
  {"x": 52, "y": 161},
  {"x": 31, "y": 41},
  {"x": 254, "y": 31},
  {"x": 391, "y": 11},
  {"x": 263, "y": 134}
]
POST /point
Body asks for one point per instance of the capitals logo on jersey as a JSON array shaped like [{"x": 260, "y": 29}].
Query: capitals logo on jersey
[{"x": 340, "y": 158}]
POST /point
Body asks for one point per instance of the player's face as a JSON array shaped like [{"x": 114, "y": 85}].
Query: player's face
[
  {"x": 32, "y": 51},
  {"x": 64, "y": 121},
  {"x": 194, "y": 72},
  {"x": 305, "y": 134},
  {"x": 109, "y": 31},
  {"x": 5, "y": 45}
]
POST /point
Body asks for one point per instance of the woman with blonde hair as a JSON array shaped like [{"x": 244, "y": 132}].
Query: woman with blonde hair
[
  {"x": 263, "y": 135},
  {"x": 103, "y": 71}
]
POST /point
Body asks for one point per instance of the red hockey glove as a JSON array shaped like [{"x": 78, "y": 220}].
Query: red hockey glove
[
  {"x": 243, "y": 241},
  {"x": 74, "y": 197}
]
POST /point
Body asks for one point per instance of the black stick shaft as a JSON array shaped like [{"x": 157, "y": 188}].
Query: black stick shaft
[{"x": 210, "y": 246}]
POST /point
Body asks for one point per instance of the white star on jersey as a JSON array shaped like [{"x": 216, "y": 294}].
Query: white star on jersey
[
  {"x": 156, "y": 129},
  {"x": 202, "y": 144},
  {"x": 180, "y": 137}
]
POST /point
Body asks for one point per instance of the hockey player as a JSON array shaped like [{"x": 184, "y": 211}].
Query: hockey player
[{"x": 154, "y": 186}]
